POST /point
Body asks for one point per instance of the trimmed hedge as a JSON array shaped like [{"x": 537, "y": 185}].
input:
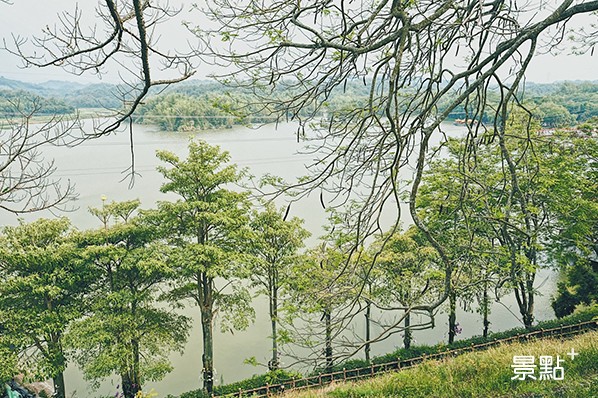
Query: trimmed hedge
[
  {"x": 257, "y": 381},
  {"x": 349, "y": 368}
]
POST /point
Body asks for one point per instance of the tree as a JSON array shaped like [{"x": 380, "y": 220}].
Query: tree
[
  {"x": 454, "y": 204},
  {"x": 579, "y": 287},
  {"x": 26, "y": 179},
  {"x": 572, "y": 159},
  {"x": 126, "y": 329},
  {"x": 316, "y": 312},
  {"x": 42, "y": 287},
  {"x": 504, "y": 206},
  {"x": 273, "y": 242},
  {"x": 325, "y": 296},
  {"x": 409, "y": 274},
  {"x": 201, "y": 227},
  {"x": 555, "y": 115}
]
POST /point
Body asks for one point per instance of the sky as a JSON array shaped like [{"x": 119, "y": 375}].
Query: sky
[{"x": 26, "y": 18}]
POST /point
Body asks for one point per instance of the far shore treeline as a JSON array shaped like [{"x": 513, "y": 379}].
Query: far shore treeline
[{"x": 204, "y": 105}]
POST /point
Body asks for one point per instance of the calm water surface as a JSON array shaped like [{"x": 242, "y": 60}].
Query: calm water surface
[{"x": 96, "y": 169}]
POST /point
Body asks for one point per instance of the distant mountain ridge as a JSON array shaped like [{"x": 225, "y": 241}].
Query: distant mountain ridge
[
  {"x": 78, "y": 95},
  {"x": 51, "y": 87}
]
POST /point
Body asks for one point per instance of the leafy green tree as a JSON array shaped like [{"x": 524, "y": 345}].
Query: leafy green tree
[
  {"x": 572, "y": 159},
  {"x": 555, "y": 115},
  {"x": 273, "y": 242},
  {"x": 501, "y": 206},
  {"x": 127, "y": 329},
  {"x": 201, "y": 227},
  {"x": 451, "y": 205},
  {"x": 315, "y": 306},
  {"x": 324, "y": 295},
  {"x": 524, "y": 209},
  {"x": 42, "y": 285},
  {"x": 409, "y": 273},
  {"x": 579, "y": 287}
]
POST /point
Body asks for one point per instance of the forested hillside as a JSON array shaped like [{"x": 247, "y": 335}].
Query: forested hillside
[{"x": 201, "y": 104}]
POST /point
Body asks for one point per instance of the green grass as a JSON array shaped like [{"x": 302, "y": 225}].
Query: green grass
[{"x": 484, "y": 374}]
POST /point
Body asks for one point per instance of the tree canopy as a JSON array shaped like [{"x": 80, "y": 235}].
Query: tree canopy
[
  {"x": 201, "y": 227},
  {"x": 42, "y": 284}
]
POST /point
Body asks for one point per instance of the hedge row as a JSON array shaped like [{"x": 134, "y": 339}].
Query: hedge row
[{"x": 349, "y": 368}]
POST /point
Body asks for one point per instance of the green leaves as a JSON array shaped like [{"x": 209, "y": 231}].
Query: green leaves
[
  {"x": 42, "y": 283},
  {"x": 126, "y": 329},
  {"x": 519, "y": 201},
  {"x": 201, "y": 228},
  {"x": 407, "y": 271}
]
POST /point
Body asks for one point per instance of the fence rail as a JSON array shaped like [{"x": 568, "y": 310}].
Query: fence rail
[{"x": 323, "y": 379}]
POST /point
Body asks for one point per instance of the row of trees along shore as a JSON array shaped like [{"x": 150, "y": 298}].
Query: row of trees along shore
[
  {"x": 106, "y": 299},
  {"x": 201, "y": 106}
]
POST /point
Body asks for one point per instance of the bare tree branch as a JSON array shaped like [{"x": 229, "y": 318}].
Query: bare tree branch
[{"x": 26, "y": 179}]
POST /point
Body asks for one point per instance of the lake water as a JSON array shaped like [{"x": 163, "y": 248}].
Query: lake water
[{"x": 96, "y": 167}]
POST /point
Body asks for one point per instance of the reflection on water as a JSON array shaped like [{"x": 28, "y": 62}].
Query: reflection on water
[{"x": 96, "y": 168}]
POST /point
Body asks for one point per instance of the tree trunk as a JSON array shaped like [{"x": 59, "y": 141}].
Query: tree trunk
[
  {"x": 485, "y": 310},
  {"x": 527, "y": 312},
  {"x": 131, "y": 380},
  {"x": 328, "y": 348},
  {"x": 59, "y": 385},
  {"x": 407, "y": 335},
  {"x": 274, "y": 364},
  {"x": 208, "y": 351},
  {"x": 130, "y": 385},
  {"x": 452, "y": 317},
  {"x": 207, "y": 320},
  {"x": 368, "y": 310},
  {"x": 136, "y": 374},
  {"x": 524, "y": 294},
  {"x": 528, "y": 319}
]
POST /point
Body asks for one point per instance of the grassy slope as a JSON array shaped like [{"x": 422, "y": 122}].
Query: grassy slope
[{"x": 484, "y": 374}]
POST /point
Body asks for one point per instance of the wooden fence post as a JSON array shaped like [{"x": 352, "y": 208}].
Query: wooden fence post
[
  {"x": 399, "y": 363},
  {"x": 344, "y": 374}
]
